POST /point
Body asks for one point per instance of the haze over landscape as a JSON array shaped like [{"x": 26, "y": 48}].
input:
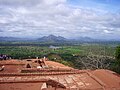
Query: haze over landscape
[{"x": 97, "y": 19}]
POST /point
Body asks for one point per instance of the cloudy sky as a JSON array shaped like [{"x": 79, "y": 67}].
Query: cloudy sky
[{"x": 68, "y": 18}]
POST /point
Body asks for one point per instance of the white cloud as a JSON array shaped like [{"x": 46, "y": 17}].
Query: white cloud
[
  {"x": 106, "y": 31},
  {"x": 25, "y": 18},
  {"x": 52, "y": 2}
]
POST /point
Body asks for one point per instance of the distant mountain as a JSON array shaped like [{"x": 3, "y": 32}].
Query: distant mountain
[
  {"x": 2, "y": 39},
  {"x": 56, "y": 39},
  {"x": 8, "y": 39},
  {"x": 86, "y": 39},
  {"x": 52, "y": 39}
]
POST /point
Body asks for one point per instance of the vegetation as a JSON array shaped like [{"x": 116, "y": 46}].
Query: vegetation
[
  {"x": 117, "y": 61},
  {"x": 82, "y": 56}
]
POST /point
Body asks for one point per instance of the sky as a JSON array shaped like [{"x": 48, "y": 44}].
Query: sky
[{"x": 98, "y": 19}]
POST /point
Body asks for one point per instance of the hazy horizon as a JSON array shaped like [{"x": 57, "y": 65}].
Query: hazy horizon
[{"x": 98, "y": 19}]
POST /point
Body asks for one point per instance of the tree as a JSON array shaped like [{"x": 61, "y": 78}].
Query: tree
[
  {"x": 95, "y": 62},
  {"x": 117, "y": 53},
  {"x": 117, "y": 62}
]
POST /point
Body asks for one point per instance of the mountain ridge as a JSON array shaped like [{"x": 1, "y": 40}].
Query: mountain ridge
[{"x": 54, "y": 39}]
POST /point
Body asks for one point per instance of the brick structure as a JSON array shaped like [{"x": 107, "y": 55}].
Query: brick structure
[{"x": 54, "y": 76}]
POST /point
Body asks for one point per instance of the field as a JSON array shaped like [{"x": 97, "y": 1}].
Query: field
[
  {"x": 82, "y": 56},
  {"x": 38, "y": 51}
]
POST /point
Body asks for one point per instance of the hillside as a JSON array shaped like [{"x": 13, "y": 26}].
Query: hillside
[{"x": 52, "y": 39}]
